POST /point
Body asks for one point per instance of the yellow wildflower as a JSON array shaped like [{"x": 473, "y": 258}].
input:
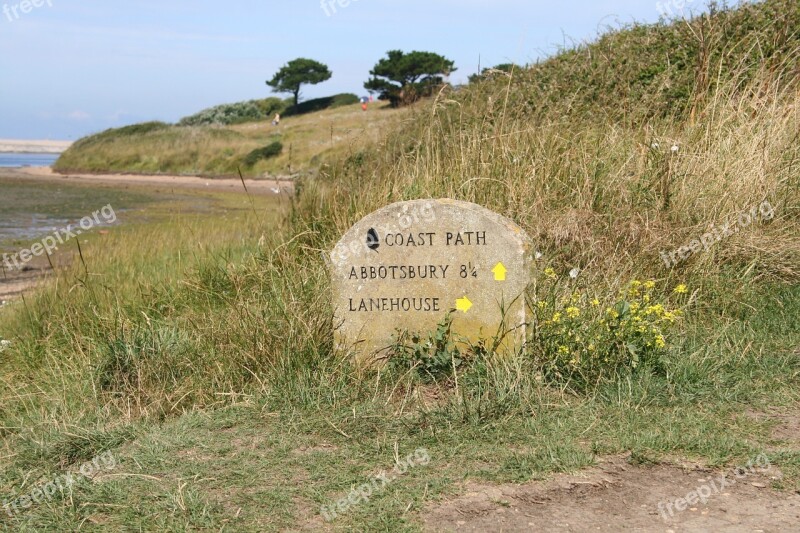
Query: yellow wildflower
[
  {"x": 595, "y": 302},
  {"x": 633, "y": 289},
  {"x": 649, "y": 284},
  {"x": 681, "y": 289},
  {"x": 657, "y": 310},
  {"x": 573, "y": 312},
  {"x": 556, "y": 318},
  {"x": 550, "y": 273},
  {"x": 660, "y": 342}
]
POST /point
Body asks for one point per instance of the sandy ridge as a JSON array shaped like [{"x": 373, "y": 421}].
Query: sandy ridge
[{"x": 33, "y": 147}]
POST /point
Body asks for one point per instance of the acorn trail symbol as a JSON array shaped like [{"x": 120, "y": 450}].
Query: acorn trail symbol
[{"x": 373, "y": 242}]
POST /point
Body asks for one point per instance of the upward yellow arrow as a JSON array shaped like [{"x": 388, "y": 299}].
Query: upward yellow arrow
[
  {"x": 499, "y": 272},
  {"x": 463, "y": 304}
]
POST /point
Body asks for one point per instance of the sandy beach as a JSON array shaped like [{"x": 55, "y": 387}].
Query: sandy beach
[{"x": 33, "y": 147}]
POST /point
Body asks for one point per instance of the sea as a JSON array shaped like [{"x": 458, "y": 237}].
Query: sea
[{"x": 19, "y": 160}]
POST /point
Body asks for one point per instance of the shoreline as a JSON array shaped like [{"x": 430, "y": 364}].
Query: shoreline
[
  {"x": 266, "y": 186},
  {"x": 16, "y": 283}
]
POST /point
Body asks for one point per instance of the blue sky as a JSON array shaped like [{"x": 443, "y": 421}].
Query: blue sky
[{"x": 73, "y": 67}]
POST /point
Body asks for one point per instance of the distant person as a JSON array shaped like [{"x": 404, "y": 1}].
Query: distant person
[
  {"x": 277, "y": 120},
  {"x": 364, "y": 107}
]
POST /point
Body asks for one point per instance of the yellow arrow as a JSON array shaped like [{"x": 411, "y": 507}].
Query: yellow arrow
[
  {"x": 463, "y": 304},
  {"x": 499, "y": 272}
]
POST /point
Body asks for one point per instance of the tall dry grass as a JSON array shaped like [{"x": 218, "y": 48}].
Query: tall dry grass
[{"x": 598, "y": 194}]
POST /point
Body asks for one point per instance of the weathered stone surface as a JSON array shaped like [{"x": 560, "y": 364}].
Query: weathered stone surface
[{"x": 407, "y": 265}]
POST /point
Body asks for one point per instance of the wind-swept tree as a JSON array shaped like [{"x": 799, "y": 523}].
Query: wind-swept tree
[
  {"x": 403, "y": 78},
  {"x": 296, "y": 73}
]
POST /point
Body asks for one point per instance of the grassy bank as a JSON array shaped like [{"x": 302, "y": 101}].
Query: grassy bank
[
  {"x": 200, "y": 351},
  {"x": 308, "y": 141}
]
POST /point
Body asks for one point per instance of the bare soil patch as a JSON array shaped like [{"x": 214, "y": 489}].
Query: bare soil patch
[
  {"x": 618, "y": 496},
  {"x": 15, "y": 283},
  {"x": 786, "y": 428}
]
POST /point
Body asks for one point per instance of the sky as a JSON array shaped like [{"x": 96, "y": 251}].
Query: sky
[{"x": 69, "y": 68}]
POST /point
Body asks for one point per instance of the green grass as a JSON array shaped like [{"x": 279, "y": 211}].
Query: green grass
[{"x": 198, "y": 347}]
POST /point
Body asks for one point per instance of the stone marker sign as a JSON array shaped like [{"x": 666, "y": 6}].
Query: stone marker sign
[{"x": 407, "y": 265}]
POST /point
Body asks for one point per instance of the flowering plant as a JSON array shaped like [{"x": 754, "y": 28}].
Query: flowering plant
[{"x": 585, "y": 339}]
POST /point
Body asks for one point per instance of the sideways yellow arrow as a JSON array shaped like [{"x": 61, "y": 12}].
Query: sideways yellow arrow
[
  {"x": 499, "y": 272},
  {"x": 463, "y": 304}
]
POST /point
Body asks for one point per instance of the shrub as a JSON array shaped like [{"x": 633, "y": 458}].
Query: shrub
[
  {"x": 320, "y": 104},
  {"x": 271, "y": 150},
  {"x": 238, "y": 113},
  {"x": 344, "y": 99}
]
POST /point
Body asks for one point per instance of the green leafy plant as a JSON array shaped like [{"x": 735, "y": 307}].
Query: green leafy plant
[{"x": 433, "y": 357}]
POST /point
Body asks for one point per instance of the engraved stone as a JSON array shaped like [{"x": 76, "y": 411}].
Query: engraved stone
[{"x": 406, "y": 266}]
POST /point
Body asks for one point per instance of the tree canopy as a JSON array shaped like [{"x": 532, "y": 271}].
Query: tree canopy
[
  {"x": 296, "y": 73},
  {"x": 502, "y": 67},
  {"x": 403, "y": 78}
]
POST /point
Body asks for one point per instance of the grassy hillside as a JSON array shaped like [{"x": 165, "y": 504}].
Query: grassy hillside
[
  {"x": 606, "y": 166},
  {"x": 215, "y": 382},
  {"x": 639, "y": 73},
  {"x": 319, "y": 132}
]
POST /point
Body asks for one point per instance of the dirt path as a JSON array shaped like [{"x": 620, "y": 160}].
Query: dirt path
[
  {"x": 266, "y": 186},
  {"x": 617, "y": 496}
]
